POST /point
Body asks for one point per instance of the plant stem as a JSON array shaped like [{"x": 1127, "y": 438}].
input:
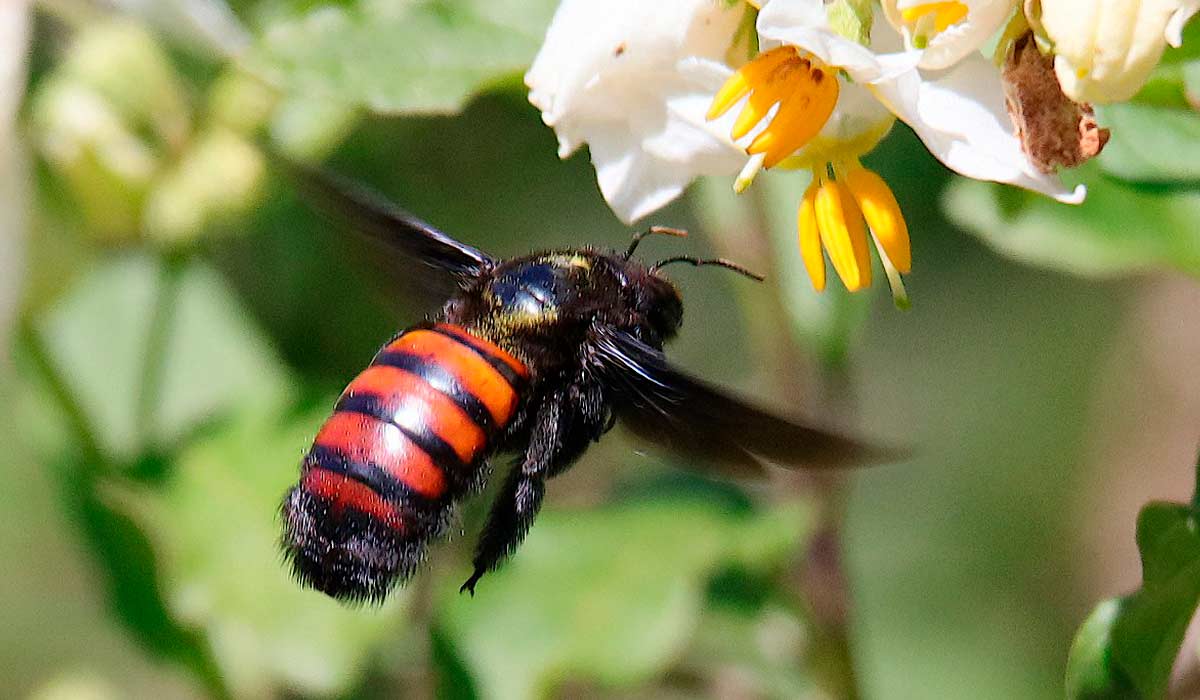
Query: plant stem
[
  {"x": 822, "y": 582},
  {"x": 81, "y": 428},
  {"x": 155, "y": 360}
]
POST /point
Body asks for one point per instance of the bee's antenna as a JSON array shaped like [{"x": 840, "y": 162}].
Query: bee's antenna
[
  {"x": 698, "y": 262},
  {"x": 665, "y": 230}
]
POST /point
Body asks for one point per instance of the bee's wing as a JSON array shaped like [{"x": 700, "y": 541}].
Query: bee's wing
[
  {"x": 688, "y": 416},
  {"x": 438, "y": 262}
]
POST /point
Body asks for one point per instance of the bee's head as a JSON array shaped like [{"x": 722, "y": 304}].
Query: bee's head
[{"x": 659, "y": 300}]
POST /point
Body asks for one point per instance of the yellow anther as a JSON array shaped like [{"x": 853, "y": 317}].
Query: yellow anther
[
  {"x": 810, "y": 238},
  {"x": 882, "y": 212},
  {"x": 945, "y": 14},
  {"x": 844, "y": 235},
  {"x": 801, "y": 116},
  {"x": 805, "y": 91},
  {"x": 750, "y": 76}
]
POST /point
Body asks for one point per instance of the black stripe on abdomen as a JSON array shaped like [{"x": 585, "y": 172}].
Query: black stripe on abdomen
[
  {"x": 372, "y": 476},
  {"x": 440, "y": 451},
  {"x": 442, "y": 380}
]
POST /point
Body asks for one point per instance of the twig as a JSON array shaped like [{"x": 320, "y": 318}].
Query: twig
[
  {"x": 154, "y": 362},
  {"x": 821, "y": 581}
]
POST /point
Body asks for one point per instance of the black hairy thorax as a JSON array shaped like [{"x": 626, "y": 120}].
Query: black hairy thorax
[{"x": 541, "y": 307}]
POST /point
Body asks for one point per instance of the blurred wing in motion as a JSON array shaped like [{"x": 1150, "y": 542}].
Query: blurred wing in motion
[
  {"x": 438, "y": 262},
  {"x": 668, "y": 407}
]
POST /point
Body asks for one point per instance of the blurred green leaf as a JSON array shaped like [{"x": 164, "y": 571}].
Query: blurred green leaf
[
  {"x": 104, "y": 163},
  {"x": 1091, "y": 672},
  {"x": 761, "y": 649},
  {"x": 611, "y": 595},
  {"x": 219, "y": 177},
  {"x": 1151, "y": 143},
  {"x": 1149, "y": 632},
  {"x": 311, "y": 129},
  {"x": 127, "y": 563},
  {"x": 1138, "y": 637},
  {"x": 400, "y": 56},
  {"x": 1118, "y": 230},
  {"x": 99, "y": 337},
  {"x": 215, "y": 529},
  {"x": 124, "y": 63}
]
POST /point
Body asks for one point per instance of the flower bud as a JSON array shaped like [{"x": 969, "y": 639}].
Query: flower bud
[{"x": 1105, "y": 49}]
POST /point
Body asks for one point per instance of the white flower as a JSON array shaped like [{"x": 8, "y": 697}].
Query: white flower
[
  {"x": 622, "y": 77},
  {"x": 947, "y": 31},
  {"x": 961, "y": 117},
  {"x": 959, "y": 114},
  {"x": 1105, "y": 49}
]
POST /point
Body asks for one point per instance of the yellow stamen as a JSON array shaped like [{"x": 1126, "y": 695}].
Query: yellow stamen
[
  {"x": 882, "y": 212},
  {"x": 749, "y": 171},
  {"x": 805, "y": 90},
  {"x": 945, "y": 14},
  {"x": 801, "y": 116},
  {"x": 810, "y": 238},
  {"x": 844, "y": 235},
  {"x": 746, "y": 78}
]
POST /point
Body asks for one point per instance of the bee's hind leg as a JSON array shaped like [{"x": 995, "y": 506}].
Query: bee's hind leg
[{"x": 520, "y": 497}]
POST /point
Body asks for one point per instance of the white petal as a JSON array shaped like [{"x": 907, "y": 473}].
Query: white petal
[
  {"x": 647, "y": 157},
  {"x": 803, "y": 23},
  {"x": 1174, "y": 30},
  {"x": 984, "y": 19},
  {"x": 961, "y": 117},
  {"x": 626, "y": 78},
  {"x": 1105, "y": 49}
]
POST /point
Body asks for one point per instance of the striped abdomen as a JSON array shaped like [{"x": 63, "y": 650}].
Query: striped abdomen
[{"x": 407, "y": 438}]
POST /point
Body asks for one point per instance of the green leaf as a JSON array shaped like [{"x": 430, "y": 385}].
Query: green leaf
[
  {"x": 209, "y": 358},
  {"x": 1149, "y": 632},
  {"x": 215, "y": 529},
  {"x": 762, "y": 646},
  {"x": 1151, "y": 143},
  {"x": 1092, "y": 674},
  {"x": 1118, "y": 230},
  {"x": 217, "y": 179},
  {"x": 1131, "y": 644},
  {"x": 611, "y": 595},
  {"x": 400, "y": 56}
]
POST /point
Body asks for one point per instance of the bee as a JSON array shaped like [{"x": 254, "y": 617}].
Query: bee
[{"x": 537, "y": 356}]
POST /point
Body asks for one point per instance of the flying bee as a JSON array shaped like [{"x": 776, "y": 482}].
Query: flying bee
[{"x": 537, "y": 356}]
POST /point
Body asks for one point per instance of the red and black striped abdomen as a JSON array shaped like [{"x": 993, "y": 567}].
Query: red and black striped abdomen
[{"x": 408, "y": 437}]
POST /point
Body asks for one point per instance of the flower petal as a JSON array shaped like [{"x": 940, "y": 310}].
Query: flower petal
[
  {"x": 957, "y": 41},
  {"x": 626, "y": 77},
  {"x": 1173, "y": 32},
  {"x": 804, "y": 24},
  {"x": 963, "y": 121}
]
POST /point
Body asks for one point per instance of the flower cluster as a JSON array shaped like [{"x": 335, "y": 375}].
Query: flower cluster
[{"x": 667, "y": 91}]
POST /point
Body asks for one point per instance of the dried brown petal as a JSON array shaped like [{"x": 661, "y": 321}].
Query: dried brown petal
[{"x": 1054, "y": 131}]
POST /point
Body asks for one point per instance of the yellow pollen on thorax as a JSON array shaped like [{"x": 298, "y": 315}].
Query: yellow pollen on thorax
[
  {"x": 943, "y": 14},
  {"x": 804, "y": 89}
]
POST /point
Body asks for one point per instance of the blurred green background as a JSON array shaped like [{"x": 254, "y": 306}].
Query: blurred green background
[{"x": 177, "y": 324}]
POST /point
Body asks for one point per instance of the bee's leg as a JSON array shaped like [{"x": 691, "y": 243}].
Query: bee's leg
[{"x": 521, "y": 496}]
